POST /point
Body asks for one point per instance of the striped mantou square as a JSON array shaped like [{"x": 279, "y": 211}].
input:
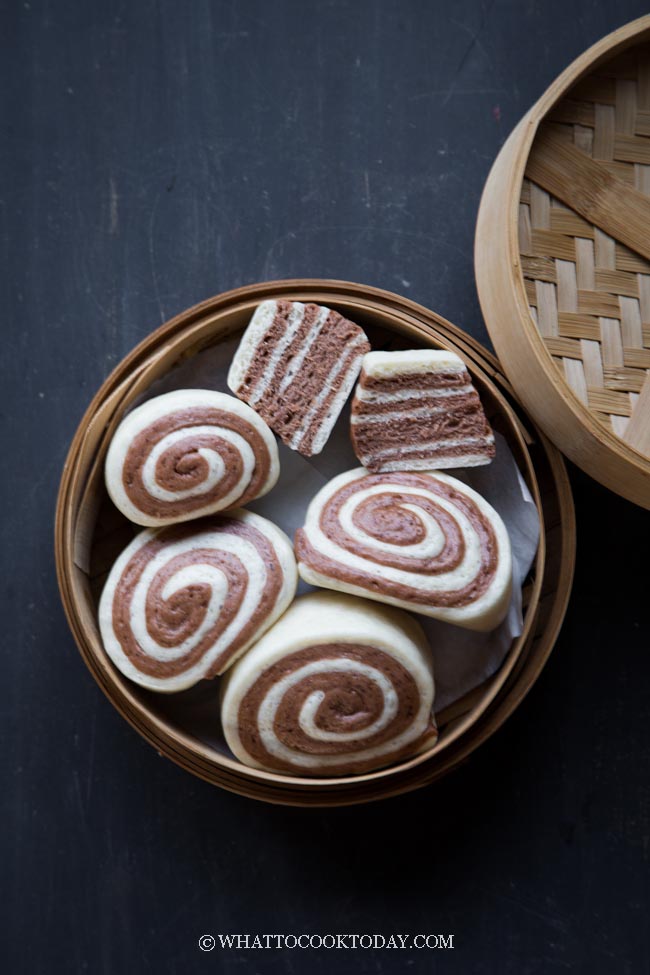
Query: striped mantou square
[
  {"x": 418, "y": 410},
  {"x": 296, "y": 365}
]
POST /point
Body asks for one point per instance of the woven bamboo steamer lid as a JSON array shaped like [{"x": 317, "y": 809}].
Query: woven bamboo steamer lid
[
  {"x": 562, "y": 261},
  {"x": 89, "y": 533}
]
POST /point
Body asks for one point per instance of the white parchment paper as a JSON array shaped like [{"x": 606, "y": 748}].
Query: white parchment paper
[{"x": 462, "y": 659}]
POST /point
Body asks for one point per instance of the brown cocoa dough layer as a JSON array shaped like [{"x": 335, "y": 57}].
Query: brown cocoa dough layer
[
  {"x": 406, "y": 431},
  {"x": 426, "y": 400},
  {"x": 419, "y": 380}
]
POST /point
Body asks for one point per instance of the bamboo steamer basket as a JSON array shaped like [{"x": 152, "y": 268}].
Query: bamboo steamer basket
[
  {"x": 89, "y": 533},
  {"x": 562, "y": 261}
]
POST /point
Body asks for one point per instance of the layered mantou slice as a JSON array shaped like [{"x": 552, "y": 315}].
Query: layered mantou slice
[
  {"x": 418, "y": 410},
  {"x": 296, "y": 365}
]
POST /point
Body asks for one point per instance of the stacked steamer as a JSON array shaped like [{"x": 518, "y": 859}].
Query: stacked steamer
[
  {"x": 89, "y": 534},
  {"x": 332, "y": 683}
]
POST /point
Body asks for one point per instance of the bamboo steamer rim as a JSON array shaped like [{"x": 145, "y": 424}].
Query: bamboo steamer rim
[
  {"x": 189, "y": 751},
  {"x": 514, "y": 154}
]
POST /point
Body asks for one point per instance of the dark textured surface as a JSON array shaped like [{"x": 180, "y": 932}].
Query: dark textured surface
[{"x": 154, "y": 154}]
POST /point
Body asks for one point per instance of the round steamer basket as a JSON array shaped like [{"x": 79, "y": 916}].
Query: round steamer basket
[
  {"x": 90, "y": 532},
  {"x": 563, "y": 261}
]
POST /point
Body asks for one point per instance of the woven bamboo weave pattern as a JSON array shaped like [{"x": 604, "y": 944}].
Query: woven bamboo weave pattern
[{"x": 588, "y": 294}]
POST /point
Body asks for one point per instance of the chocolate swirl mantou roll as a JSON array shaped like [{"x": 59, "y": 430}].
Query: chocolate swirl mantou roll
[
  {"x": 189, "y": 453},
  {"x": 296, "y": 365},
  {"x": 418, "y": 410},
  {"x": 423, "y": 541},
  {"x": 183, "y": 602},
  {"x": 338, "y": 686}
]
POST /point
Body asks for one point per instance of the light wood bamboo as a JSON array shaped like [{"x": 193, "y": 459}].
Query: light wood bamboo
[
  {"x": 89, "y": 532},
  {"x": 589, "y": 188},
  {"x": 563, "y": 261}
]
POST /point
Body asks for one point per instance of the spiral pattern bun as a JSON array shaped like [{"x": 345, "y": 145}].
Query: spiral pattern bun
[
  {"x": 337, "y": 686},
  {"x": 423, "y": 541},
  {"x": 189, "y": 453},
  {"x": 183, "y": 602}
]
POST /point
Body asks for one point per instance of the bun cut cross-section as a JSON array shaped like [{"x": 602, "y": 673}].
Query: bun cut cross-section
[
  {"x": 420, "y": 540},
  {"x": 296, "y": 365},
  {"x": 182, "y": 603},
  {"x": 338, "y": 686},
  {"x": 189, "y": 453},
  {"x": 418, "y": 410}
]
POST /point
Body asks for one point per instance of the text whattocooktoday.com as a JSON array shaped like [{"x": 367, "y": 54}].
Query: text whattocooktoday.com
[{"x": 238, "y": 942}]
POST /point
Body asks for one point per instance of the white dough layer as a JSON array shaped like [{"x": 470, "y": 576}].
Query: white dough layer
[{"x": 387, "y": 365}]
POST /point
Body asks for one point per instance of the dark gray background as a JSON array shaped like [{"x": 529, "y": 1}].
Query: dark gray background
[{"x": 154, "y": 154}]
